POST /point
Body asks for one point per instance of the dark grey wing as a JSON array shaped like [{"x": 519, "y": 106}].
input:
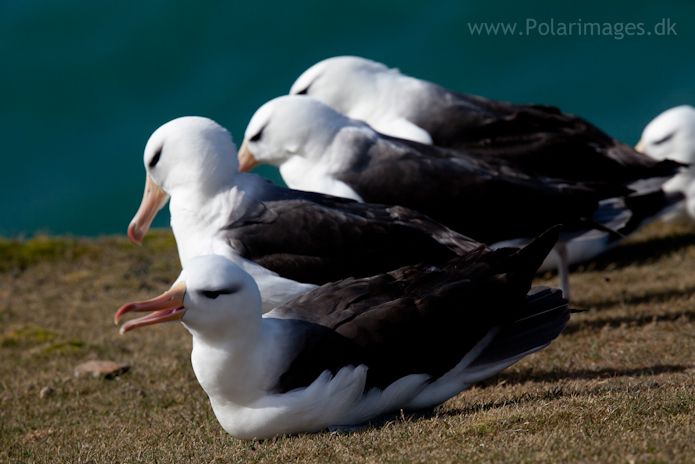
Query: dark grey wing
[
  {"x": 536, "y": 137},
  {"x": 315, "y": 238},
  {"x": 488, "y": 200},
  {"x": 421, "y": 319}
]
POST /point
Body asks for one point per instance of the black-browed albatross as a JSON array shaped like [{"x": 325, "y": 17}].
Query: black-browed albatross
[
  {"x": 536, "y": 137},
  {"x": 488, "y": 199},
  {"x": 354, "y": 350},
  {"x": 671, "y": 135},
  {"x": 289, "y": 241}
]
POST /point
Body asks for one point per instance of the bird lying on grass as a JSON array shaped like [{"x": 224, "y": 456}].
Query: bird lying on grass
[
  {"x": 354, "y": 350},
  {"x": 535, "y": 137},
  {"x": 491, "y": 200}
]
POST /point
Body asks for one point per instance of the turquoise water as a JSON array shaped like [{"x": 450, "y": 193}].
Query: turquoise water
[{"x": 84, "y": 84}]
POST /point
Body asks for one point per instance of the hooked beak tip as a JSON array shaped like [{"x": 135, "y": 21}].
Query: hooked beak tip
[
  {"x": 126, "y": 308},
  {"x": 134, "y": 234},
  {"x": 153, "y": 200}
]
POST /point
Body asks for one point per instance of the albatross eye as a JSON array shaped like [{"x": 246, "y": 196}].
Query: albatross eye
[
  {"x": 665, "y": 139},
  {"x": 155, "y": 159},
  {"x": 213, "y": 294},
  {"x": 257, "y": 136}
]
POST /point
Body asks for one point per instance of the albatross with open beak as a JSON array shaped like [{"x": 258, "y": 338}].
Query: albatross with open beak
[{"x": 354, "y": 350}]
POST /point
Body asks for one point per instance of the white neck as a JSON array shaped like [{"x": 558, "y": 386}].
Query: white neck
[
  {"x": 196, "y": 218},
  {"x": 315, "y": 176},
  {"x": 197, "y": 222}
]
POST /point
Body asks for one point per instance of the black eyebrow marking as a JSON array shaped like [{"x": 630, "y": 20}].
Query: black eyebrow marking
[
  {"x": 305, "y": 91},
  {"x": 665, "y": 139},
  {"x": 258, "y": 135},
  {"x": 212, "y": 294},
  {"x": 155, "y": 159}
]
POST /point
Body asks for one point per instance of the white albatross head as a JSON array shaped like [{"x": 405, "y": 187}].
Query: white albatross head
[
  {"x": 287, "y": 126},
  {"x": 189, "y": 153},
  {"x": 341, "y": 82},
  {"x": 369, "y": 91},
  {"x": 671, "y": 135},
  {"x": 213, "y": 298}
]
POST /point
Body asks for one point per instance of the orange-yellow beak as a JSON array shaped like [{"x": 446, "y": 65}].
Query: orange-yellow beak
[
  {"x": 153, "y": 200},
  {"x": 168, "y": 307},
  {"x": 246, "y": 159},
  {"x": 640, "y": 146}
]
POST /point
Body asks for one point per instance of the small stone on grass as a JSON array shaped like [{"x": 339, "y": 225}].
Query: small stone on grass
[{"x": 100, "y": 368}]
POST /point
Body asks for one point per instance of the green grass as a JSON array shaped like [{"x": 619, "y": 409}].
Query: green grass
[
  {"x": 17, "y": 255},
  {"x": 616, "y": 387}
]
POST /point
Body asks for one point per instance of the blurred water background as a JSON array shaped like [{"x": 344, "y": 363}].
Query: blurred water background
[{"x": 84, "y": 84}]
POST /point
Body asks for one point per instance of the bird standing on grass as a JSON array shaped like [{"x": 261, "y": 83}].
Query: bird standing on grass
[{"x": 352, "y": 351}]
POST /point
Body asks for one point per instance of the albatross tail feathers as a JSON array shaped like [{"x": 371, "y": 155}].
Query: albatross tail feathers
[{"x": 539, "y": 322}]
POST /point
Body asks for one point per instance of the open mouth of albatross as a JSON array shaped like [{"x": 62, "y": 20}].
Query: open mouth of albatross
[{"x": 167, "y": 307}]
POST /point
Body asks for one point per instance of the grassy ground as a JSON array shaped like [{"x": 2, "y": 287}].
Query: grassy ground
[{"x": 617, "y": 386}]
